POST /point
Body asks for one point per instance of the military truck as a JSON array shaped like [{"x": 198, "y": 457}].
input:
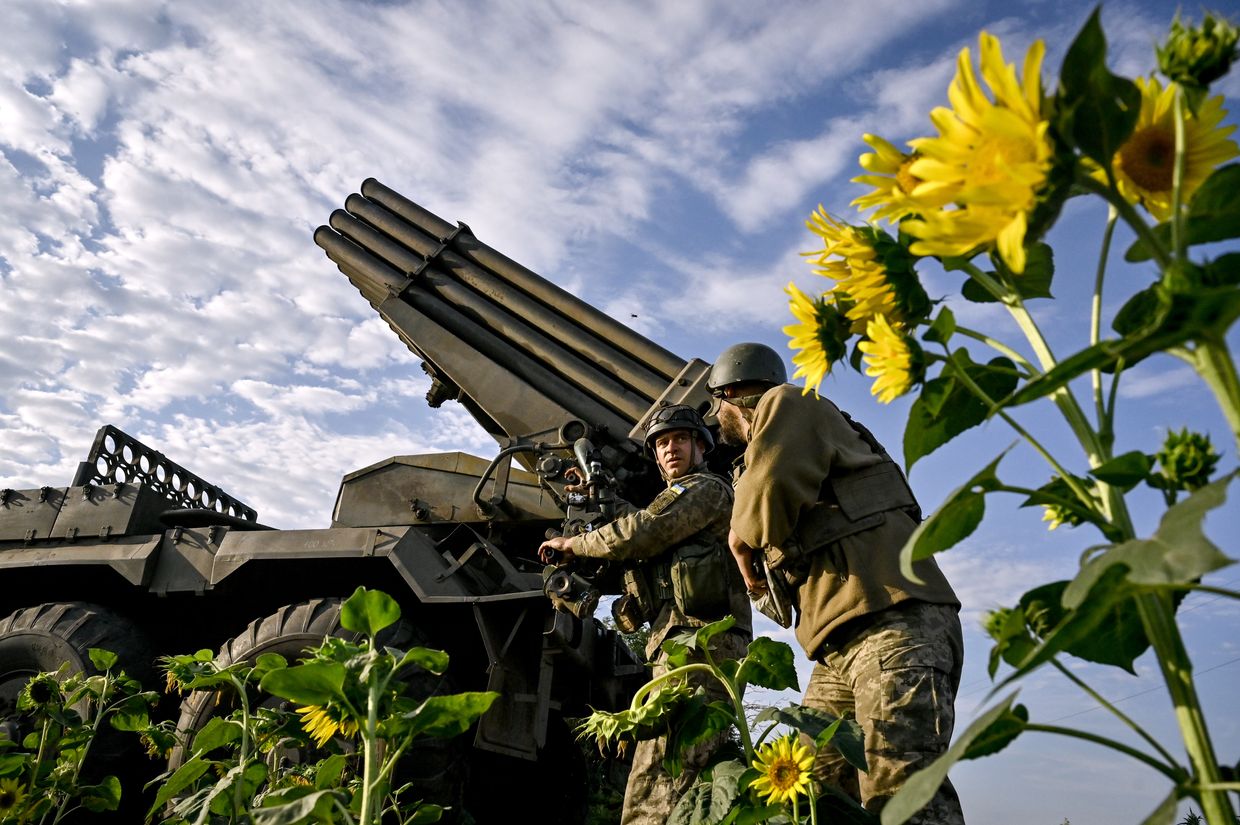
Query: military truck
[{"x": 139, "y": 555}]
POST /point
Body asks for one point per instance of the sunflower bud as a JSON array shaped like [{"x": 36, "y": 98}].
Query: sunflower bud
[
  {"x": 1196, "y": 56},
  {"x": 1186, "y": 460},
  {"x": 995, "y": 621}
]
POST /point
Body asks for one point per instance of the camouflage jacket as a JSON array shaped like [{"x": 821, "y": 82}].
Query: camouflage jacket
[{"x": 694, "y": 509}]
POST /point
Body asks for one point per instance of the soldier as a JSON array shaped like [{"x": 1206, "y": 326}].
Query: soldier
[
  {"x": 829, "y": 511},
  {"x": 678, "y": 575}
]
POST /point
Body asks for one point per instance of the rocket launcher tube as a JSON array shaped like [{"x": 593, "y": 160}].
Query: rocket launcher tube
[
  {"x": 508, "y": 327},
  {"x": 362, "y": 214},
  {"x": 665, "y": 363}
]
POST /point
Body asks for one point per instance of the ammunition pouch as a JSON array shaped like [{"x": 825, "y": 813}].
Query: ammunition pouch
[
  {"x": 640, "y": 591},
  {"x": 700, "y": 577},
  {"x": 627, "y": 614},
  {"x": 850, "y": 504},
  {"x": 779, "y": 598}
]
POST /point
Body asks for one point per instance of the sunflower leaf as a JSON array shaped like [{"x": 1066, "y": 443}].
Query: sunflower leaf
[
  {"x": 934, "y": 420},
  {"x": 709, "y": 802},
  {"x": 1096, "y": 110}
]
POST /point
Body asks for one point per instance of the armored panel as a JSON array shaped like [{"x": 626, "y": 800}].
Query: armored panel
[
  {"x": 421, "y": 489},
  {"x": 29, "y": 514},
  {"x": 109, "y": 510}
]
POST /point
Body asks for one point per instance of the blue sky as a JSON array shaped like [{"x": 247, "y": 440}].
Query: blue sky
[{"x": 163, "y": 165}]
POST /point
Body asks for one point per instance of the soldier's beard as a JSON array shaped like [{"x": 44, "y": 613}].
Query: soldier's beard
[{"x": 731, "y": 425}]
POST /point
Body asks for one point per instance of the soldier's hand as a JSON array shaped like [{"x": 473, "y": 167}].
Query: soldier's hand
[
  {"x": 576, "y": 482},
  {"x": 549, "y": 549}
]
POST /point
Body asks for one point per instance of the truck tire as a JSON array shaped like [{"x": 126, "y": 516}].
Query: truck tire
[
  {"x": 42, "y": 638},
  {"x": 436, "y": 768}
]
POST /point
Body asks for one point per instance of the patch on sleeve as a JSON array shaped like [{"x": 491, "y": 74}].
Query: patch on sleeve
[{"x": 666, "y": 499}]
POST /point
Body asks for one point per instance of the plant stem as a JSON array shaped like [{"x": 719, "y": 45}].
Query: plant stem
[
  {"x": 1177, "y": 175},
  {"x": 1130, "y": 216},
  {"x": 1159, "y": 622},
  {"x": 1105, "y": 434},
  {"x": 1140, "y": 731},
  {"x": 370, "y": 764},
  {"x": 1167, "y": 771}
]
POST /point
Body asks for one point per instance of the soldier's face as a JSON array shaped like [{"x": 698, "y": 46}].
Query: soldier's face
[
  {"x": 732, "y": 428},
  {"x": 677, "y": 452}
]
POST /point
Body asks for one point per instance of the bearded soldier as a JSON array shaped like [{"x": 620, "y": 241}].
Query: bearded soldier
[
  {"x": 829, "y": 512},
  {"x": 678, "y": 575}
]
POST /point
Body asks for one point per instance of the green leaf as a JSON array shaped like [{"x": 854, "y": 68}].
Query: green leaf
[
  {"x": 698, "y": 721},
  {"x": 426, "y": 813},
  {"x": 933, "y": 423},
  {"x": 1096, "y": 110},
  {"x": 217, "y": 732},
  {"x": 988, "y": 734},
  {"x": 709, "y": 802},
  {"x": 106, "y": 796},
  {"x": 314, "y": 683},
  {"x": 181, "y": 779},
  {"x": 103, "y": 660},
  {"x": 132, "y": 713},
  {"x": 1164, "y": 814},
  {"x": 956, "y": 519},
  {"x": 1213, "y": 214},
  {"x": 999, "y": 734},
  {"x": 13, "y": 763},
  {"x": 1146, "y": 308},
  {"x": 448, "y": 716},
  {"x": 943, "y": 328},
  {"x": 847, "y": 736},
  {"x": 1177, "y": 553},
  {"x": 369, "y": 611},
  {"x": 1109, "y": 632},
  {"x": 1124, "y": 471},
  {"x": 329, "y": 771},
  {"x": 433, "y": 661},
  {"x": 1034, "y": 282},
  {"x": 1222, "y": 271},
  {"x": 267, "y": 663},
  {"x": 292, "y": 806},
  {"x": 769, "y": 664},
  {"x": 680, "y": 648}
]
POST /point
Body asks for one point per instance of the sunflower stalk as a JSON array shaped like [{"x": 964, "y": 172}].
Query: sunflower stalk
[
  {"x": 1158, "y": 251},
  {"x": 1212, "y": 360},
  {"x": 1097, "y": 739},
  {"x": 1105, "y": 414},
  {"x": 1177, "y": 176},
  {"x": 1157, "y": 618}
]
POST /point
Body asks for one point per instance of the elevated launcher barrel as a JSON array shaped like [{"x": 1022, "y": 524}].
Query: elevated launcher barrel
[{"x": 521, "y": 354}]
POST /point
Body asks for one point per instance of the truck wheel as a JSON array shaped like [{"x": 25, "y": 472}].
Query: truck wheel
[
  {"x": 435, "y": 768},
  {"x": 40, "y": 639}
]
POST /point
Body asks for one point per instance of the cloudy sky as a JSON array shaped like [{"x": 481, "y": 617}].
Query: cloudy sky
[{"x": 164, "y": 164}]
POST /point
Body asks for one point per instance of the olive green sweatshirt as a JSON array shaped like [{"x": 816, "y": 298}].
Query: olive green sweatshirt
[{"x": 796, "y": 443}]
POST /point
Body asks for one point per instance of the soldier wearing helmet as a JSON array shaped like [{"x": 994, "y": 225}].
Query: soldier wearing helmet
[
  {"x": 823, "y": 512},
  {"x": 678, "y": 575}
]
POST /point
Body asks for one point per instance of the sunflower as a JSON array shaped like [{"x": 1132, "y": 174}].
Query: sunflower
[
  {"x": 991, "y": 159},
  {"x": 819, "y": 336},
  {"x": 784, "y": 768},
  {"x": 11, "y": 795},
  {"x": 893, "y": 182},
  {"x": 849, "y": 257},
  {"x": 322, "y": 724},
  {"x": 891, "y": 357},
  {"x": 1145, "y": 164}
]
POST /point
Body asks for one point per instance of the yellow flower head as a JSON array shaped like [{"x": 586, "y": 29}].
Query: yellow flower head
[
  {"x": 1145, "y": 164},
  {"x": 890, "y": 358},
  {"x": 819, "y": 337},
  {"x": 322, "y": 725},
  {"x": 991, "y": 159},
  {"x": 784, "y": 766},
  {"x": 849, "y": 258},
  {"x": 893, "y": 182},
  {"x": 11, "y": 795}
]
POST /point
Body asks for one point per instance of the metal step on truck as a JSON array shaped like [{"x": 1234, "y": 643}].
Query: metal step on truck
[{"x": 140, "y": 556}]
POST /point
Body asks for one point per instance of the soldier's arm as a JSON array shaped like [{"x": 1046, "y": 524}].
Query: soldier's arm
[{"x": 675, "y": 515}]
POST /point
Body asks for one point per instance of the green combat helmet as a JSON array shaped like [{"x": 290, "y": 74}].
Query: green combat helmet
[
  {"x": 741, "y": 363},
  {"x": 677, "y": 417}
]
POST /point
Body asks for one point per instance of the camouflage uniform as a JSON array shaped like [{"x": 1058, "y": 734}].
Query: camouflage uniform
[
  {"x": 693, "y": 510},
  {"x": 819, "y": 496}
]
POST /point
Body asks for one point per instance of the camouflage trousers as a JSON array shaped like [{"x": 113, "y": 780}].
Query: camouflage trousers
[
  {"x": 652, "y": 792},
  {"x": 898, "y": 677}
]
